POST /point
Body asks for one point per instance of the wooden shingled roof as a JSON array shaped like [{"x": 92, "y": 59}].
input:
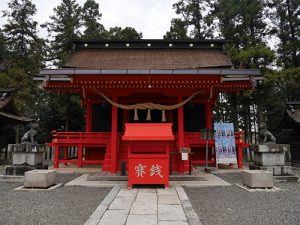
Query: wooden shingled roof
[
  {"x": 135, "y": 56},
  {"x": 8, "y": 111}
]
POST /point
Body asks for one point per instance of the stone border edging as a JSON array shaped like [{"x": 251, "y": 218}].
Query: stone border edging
[
  {"x": 191, "y": 215},
  {"x": 11, "y": 178},
  {"x": 98, "y": 213}
]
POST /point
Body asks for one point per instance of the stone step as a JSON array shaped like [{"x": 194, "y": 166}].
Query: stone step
[
  {"x": 109, "y": 177},
  {"x": 292, "y": 178},
  {"x": 276, "y": 170}
]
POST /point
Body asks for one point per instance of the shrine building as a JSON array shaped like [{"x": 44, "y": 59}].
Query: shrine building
[{"x": 150, "y": 97}]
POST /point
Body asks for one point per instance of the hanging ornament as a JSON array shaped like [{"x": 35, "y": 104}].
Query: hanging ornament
[
  {"x": 148, "y": 115},
  {"x": 136, "y": 117},
  {"x": 163, "y": 116}
]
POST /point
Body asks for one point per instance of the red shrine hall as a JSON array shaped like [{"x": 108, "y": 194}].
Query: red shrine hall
[{"x": 144, "y": 101}]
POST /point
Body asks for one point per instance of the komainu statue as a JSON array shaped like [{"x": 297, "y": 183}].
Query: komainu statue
[
  {"x": 265, "y": 135},
  {"x": 30, "y": 136}
]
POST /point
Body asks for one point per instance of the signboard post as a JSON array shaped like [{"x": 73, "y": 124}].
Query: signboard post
[
  {"x": 185, "y": 155},
  {"x": 207, "y": 134},
  {"x": 225, "y": 143}
]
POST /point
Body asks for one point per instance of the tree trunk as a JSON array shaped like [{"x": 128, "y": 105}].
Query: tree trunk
[
  {"x": 292, "y": 30},
  {"x": 17, "y": 133}
]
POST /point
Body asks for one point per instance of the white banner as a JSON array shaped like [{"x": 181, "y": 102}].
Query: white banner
[{"x": 225, "y": 143}]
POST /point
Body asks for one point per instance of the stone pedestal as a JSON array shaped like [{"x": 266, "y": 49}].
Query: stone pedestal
[
  {"x": 271, "y": 157},
  {"x": 39, "y": 178},
  {"x": 257, "y": 178},
  {"x": 19, "y": 170},
  {"x": 26, "y": 157},
  {"x": 31, "y": 154}
]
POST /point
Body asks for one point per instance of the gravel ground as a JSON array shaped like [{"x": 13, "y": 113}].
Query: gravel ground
[
  {"x": 233, "y": 205},
  {"x": 64, "y": 205}
]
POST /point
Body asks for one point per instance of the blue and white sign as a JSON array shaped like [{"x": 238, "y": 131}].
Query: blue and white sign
[{"x": 225, "y": 143}]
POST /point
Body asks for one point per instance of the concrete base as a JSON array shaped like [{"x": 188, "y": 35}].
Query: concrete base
[
  {"x": 270, "y": 147},
  {"x": 8, "y": 178},
  {"x": 31, "y": 158},
  {"x": 39, "y": 178},
  {"x": 269, "y": 158},
  {"x": 20, "y": 170},
  {"x": 31, "y": 154},
  {"x": 281, "y": 179},
  {"x": 257, "y": 178},
  {"x": 275, "y": 170}
]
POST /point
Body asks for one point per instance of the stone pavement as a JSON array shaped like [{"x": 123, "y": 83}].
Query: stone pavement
[
  {"x": 147, "y": 206},
  {"x": 206, "y": 181}
]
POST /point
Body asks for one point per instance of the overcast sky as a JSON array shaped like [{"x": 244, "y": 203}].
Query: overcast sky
[{"x": 151, "y": 17}]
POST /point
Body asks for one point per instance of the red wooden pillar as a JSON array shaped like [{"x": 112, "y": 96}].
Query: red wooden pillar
[
  {"x": 66, "y": 154},
  {"x": 240, "y": 156},
  {"x": 180, "y": 133},
  {"x": 88, "y": 116},
  {"x": 208, "y": 114},
  {"x": 56, "y": 155},
  {"x": 79, "y": 155},
  {"x": 114, "y": 130}
]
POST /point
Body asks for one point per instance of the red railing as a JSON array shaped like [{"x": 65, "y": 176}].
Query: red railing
[
  {"x": 193, "y": 138},
  {"x": 89, "y": 139},
  {"x": 81, "y": 137}
]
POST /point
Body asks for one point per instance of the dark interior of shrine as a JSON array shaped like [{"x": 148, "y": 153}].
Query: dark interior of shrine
[{"x": 194, "y": 117}]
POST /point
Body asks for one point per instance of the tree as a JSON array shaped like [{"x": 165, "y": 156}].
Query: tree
[
  {"x": 178, "y": 30},
  {"x": 51, "y": 111},
  {"x": 192, "y": 17},
  {"x": 22, "y": 51},
  {"x": 128, "y": 33},
  {"x": 91, "y": 17},
  {"x": 20, "y": 32},
  {"x": 285, "y": 16},
  {"x": 3, "y": 50},
  {"x": 242, "y": 24},
  {"x": 63, "y": 28}
]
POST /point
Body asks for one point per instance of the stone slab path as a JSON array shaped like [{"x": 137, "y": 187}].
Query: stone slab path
[
  {"x": 146, "y": 206},
  {"x": 207, "y": 180}
]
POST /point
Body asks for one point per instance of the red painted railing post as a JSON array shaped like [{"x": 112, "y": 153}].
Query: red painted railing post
[
  {"x": 240, "y": 141},
  {"x": 56, "y": 155},
  {"x": 79, "y": 155},
  {"x": 65, "y": 153},
  {"x": 240, "y": 156}
]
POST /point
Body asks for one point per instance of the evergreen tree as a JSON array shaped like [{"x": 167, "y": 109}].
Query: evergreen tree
[
  {"x": 242, "y": 24},
  {"x": 178, "y": 30},
  {"x": 22, "y": 51},
  {"x": 128, "y": 33},
  {"x": 63, "y": 28},
  {"x": 192, "y": 17},
  {"x": 91, "y": 17},
  {"x": 20, "y": 32},
  {"x": 285, "y": 16},
  {"x": 3, "y": 50}
]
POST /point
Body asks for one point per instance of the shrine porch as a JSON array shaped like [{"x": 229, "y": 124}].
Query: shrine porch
[{"x": 95, "y": 148}]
